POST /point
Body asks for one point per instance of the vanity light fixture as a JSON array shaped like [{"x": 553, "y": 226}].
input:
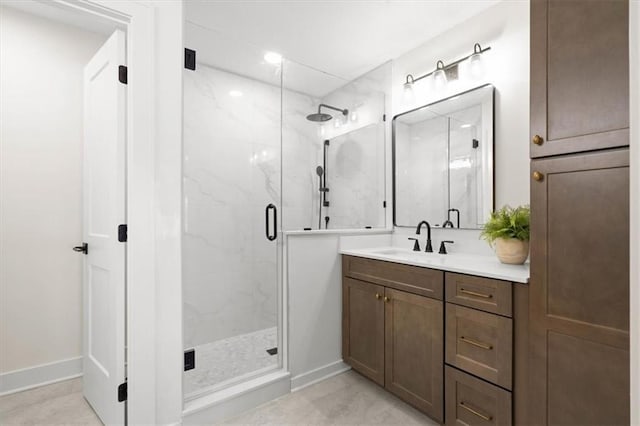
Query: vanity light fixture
[{"x": 442, "y": 69}]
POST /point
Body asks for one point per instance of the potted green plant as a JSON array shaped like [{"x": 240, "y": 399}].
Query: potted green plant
[{"x": 508, "y": 231}]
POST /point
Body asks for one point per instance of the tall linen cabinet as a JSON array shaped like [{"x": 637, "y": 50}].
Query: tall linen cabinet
[{"x": 579, "y": 286}]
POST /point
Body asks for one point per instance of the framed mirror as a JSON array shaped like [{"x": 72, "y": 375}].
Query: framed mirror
[{"x": 443, "y": 162}]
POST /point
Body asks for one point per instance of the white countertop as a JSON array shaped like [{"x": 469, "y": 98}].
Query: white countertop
[{"x": 471, "y": 264}]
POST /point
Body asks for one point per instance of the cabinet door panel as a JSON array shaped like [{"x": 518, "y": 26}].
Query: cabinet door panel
[
  {"x": 414, "y": 346},
  {"x": 579, "y": 290},
  {"x": 363, "y": 328},
  {"x": 579, "y": 75}
]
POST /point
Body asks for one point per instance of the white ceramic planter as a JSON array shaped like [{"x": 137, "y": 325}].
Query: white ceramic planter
[{"x": 512, "y": 251}]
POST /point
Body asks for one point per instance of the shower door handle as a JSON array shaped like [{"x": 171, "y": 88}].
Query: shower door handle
[{"x": 268, "y": 230}]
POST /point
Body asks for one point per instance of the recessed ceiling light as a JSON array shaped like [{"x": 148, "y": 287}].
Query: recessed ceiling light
[
  {"x": 465, "y": 126},
  {"x": 273, "y": 58},
  {"x": 235, "y": 93}
]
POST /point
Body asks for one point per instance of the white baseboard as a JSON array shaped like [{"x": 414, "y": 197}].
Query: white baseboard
[
  {"x": 314, "y": 376},
  {"x": 230, "y": 402},
  {"x": 40, "y": 375}
]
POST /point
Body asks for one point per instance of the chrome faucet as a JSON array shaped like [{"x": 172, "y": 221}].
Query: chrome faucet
[{"x": 428, "y": 248}]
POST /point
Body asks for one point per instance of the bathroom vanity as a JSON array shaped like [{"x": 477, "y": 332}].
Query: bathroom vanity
[{"x": 445, "y": 333}]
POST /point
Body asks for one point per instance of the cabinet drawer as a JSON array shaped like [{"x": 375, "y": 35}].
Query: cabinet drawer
[
  {"x": 471, "y": 401},
  {"x": 481, "y": 293},
  {"x": 479, "y": 343},
  {"x": 413, "y": 279}
]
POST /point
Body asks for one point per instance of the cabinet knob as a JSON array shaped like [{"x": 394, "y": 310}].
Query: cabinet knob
[
  {"x": 538, "y": 176},
  {"x": 378, "y": 296},
  {"x": 538, "y": 140},
  {"x": 386, "y": 299}
]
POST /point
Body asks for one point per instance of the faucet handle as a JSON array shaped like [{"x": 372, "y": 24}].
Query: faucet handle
[
  {"x": 416, "y": 244},
  {"x": 443, "y": 247}
]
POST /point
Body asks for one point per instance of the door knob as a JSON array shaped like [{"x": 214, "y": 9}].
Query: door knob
[
  {"x": 84, "y": 248},
  {"x": 538, "y": 176},
  {"x": 538, "y": 140}
]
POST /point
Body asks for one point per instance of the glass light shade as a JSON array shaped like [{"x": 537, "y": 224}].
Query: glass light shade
[
  {"x": 439, "y": 78},
  {"x": 476, "y": 65},
  {"x": 407, "y": 93}
]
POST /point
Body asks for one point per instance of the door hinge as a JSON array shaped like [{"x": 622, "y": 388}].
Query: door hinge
[
  {"x": 189, "y": 359},
  {"x": 189, "y": 59},
  {"x": 122, "y": 392},
  {"x": 122, "y": 233},
  {"x": 384, "y": 117},
  {"x": 384, "y": 204},
  {"x": 122, "y": 74}
]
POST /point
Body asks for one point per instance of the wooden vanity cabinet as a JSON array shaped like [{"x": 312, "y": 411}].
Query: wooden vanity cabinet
[
  {"x": 466, "y": 358},
  {"x": 395, "y": 337}
]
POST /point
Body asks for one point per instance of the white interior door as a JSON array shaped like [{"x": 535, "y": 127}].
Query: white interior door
[{"x": 104, "y": 209}]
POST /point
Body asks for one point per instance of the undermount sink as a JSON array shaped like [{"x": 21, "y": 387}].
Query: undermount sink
[{"x": 399, "y": 252}]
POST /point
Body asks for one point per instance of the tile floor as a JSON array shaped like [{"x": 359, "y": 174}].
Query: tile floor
[
  {"x": 56, "y": 404},
  {"x": 346, "y": 399}
]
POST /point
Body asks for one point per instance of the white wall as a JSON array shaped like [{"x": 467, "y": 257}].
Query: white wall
[
  {"x": 634, "y": 48},
  {"x": 314, "y": 282},
  {"x": 505, "y": 28},
  {"x": 41, "y": 115}
]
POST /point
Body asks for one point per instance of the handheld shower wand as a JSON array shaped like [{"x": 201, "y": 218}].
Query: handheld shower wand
[{"x": 320, "y": 173}]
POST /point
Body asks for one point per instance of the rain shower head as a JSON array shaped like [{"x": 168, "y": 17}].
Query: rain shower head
[
  {"x": 319, "y": 171},
  {"x": 321, "y": 117}
]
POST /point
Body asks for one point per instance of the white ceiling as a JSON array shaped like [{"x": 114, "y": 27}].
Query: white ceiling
[{"x": 343, "y": 38}]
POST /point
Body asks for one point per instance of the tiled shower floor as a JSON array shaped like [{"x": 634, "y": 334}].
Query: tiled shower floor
[{"x": 229, "y": 358}]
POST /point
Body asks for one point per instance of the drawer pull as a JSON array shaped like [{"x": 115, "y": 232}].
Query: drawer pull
[
  {"x": 477, "y": 413},
  {"x": 476, "y": 343},
  {"x": 473, "y": 293}
]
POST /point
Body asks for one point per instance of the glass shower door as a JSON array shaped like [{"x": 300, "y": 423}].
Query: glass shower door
[{"x": 232, "y": 194}]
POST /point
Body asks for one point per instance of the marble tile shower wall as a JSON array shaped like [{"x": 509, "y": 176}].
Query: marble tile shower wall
[
  {"x": 356, "y": 187},
  {"x": 244, "y": 152},
  {"x": 232, "y": 166},
  {"x": 301, "y": 154},
  {"x": 356, "y": 155}
]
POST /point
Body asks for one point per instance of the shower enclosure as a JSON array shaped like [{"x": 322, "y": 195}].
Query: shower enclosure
[
  {"x": 232, "y": 198},
  {"x": 270, "y": 146}
]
